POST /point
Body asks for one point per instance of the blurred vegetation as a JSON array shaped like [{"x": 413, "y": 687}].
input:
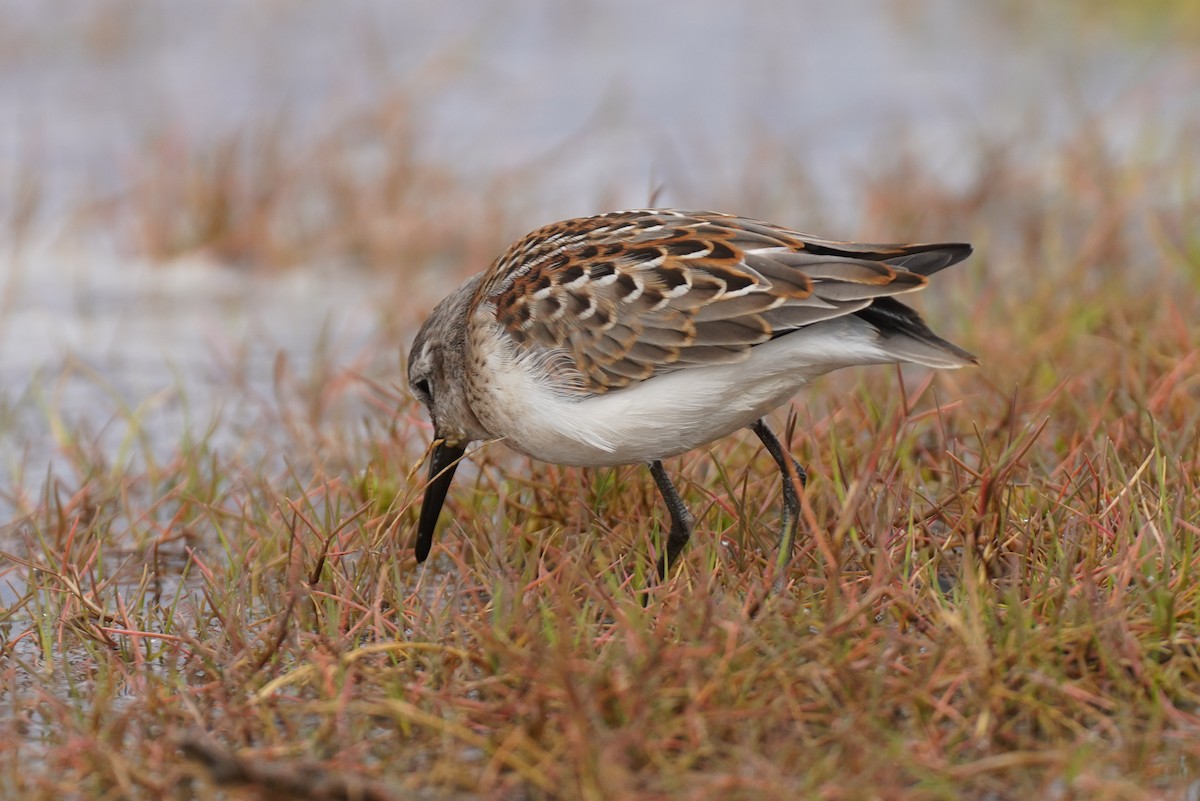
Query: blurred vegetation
[
  {"x": 994, "y": 597},
  {"x": 1136, "y": 21},
  {"x": 1149, "y": 18}
]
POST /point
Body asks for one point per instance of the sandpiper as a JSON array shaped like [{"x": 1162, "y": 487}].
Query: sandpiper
[{"x": 638, "y": 335}]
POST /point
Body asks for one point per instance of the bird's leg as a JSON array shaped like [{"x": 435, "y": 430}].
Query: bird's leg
[
  {"x": 681, "y": 518},
  {"x": 794, "y": 479}
]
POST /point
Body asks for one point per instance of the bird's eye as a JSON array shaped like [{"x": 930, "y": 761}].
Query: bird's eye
[{"x": 423, "y": 390}]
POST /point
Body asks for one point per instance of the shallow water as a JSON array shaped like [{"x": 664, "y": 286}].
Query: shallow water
[
  {"x": 636, "y": 93},
  {"x": 122, "y": 350}
]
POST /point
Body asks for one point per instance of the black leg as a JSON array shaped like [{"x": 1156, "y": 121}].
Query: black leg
[
  {"x": 794, "y": 479},
  {"x": 681, "y": 518}
]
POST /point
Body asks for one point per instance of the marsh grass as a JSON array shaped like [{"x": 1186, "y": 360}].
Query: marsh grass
[
  {"x": 272, "y": 197},
  {"x": 993, "y": 595}
]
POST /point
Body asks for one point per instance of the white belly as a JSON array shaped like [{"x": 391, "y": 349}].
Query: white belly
[{"x": 668, "y": 414}]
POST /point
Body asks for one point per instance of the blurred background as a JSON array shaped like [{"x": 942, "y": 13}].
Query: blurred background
[
  {"x": 216, "y": 214},
  {"x": 221, "y": 223}
]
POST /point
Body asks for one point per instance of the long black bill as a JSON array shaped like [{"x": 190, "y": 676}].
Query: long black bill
[{"x": 442, "y": 464}]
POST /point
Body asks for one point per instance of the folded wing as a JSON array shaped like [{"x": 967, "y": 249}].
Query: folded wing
[{"x": 622, "y": 297}]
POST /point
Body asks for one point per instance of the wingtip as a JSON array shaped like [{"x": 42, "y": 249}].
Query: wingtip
[{"x": 929, "y": 259}]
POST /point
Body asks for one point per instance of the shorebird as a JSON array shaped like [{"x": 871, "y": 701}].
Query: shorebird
[{"x": 639, "y": 335}]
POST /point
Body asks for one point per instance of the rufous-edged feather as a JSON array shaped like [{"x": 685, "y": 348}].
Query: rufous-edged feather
[{"x": 630, "y": 295}]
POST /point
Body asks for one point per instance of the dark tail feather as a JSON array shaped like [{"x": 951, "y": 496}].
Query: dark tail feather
[
  {"x": 909, "y": 339},
  {"x": 901, "y": 330}
]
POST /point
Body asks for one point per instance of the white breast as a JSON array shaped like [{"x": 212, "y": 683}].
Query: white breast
[{"x": 665, "y": 415}]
